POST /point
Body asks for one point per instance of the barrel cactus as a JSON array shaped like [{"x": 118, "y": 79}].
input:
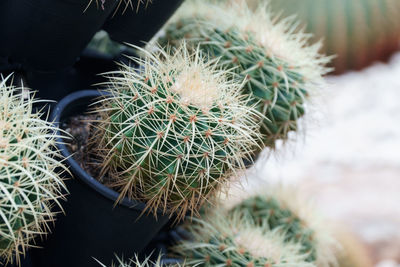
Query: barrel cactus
[
  {"x": 280, "y": 69},
  {"x": 219, "y": 240},
  {"x": 173, "y": 131},
  {"x": 358, "y": 31},
  {"x": 30, "y": 183},
  {"x": 283, "y": 209}
]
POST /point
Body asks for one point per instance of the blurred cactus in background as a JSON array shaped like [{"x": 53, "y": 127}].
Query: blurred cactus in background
[
  {"x": 30, "y": 183},
  {"x": 359, "y": 32},
  {"x": 173, "y": 131},
  {"x": 282, "y": 208},
  {"x": 273, "y": 56},
  {"x": 102, "y": 43},
  {"x": 221, "y": 240}
]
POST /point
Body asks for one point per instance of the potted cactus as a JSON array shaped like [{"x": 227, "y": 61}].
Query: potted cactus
[
  {"x": 30, "y": 173},
  {"x": 282, "y": 71},
  {"x": 164, "y": 139}
]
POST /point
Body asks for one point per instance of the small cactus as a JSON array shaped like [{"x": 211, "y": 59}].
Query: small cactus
[
  {"x": 172, "y": 132},
  {"x": 358, "y": 32},
  {"x": 136, "y": 262},
  {"x": 280, "y": 69},
  {"x": 30, "y": 183},
  {"x": 282, "y": 208},
  {"x": 220, "y": 240}
]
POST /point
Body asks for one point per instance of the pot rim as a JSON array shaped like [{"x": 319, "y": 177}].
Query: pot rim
[{"x": 76, "y": 169}]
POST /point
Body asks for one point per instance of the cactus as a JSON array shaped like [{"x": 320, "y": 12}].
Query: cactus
[
  {"x": 174, "y": 131},
  {"x": 136, "y": 262},
  {"x": 358, "y": 31},
  {"x": 280, "y": 69},
  {"x": 30, "y": 183},
  {"x": 219, "y": 240},
  {"x": 283, "y": 208}
]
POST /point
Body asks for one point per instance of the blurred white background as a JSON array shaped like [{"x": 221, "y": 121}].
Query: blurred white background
[{"x": 348, "y": 158}]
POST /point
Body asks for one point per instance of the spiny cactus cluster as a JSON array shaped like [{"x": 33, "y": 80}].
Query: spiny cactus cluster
[
  {"x": 30, "y": 183},
  {"x": 174, "y": 131},
  {"x": 136, "y": 262},
  {"x": 219, "y": 240},
  {"x": 281, "y": 70},
  {"x": 358, "y": 31},
  {"x": 282, "y": 208}
]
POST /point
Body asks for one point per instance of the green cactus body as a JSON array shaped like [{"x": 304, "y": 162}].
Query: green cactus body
[
  {"x": 174, "y": 132},
  {"x": 262, "y": 209},
  {"x": 29, "y": 182},
  {"x": 220, "y": 240},
  {"x": 279, "y": 74},
  {"x": 280, "y": 211},
  {"x": 358, "y": 31}
]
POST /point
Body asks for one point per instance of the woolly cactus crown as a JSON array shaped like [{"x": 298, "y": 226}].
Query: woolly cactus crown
[
  {"x": 221, "y": 240},
  {"x": 173, "y": 132},
  {"x": 30, "y": 182},
  {"x": 280, "y": 68},
  {"x": 284, "y": 209}
]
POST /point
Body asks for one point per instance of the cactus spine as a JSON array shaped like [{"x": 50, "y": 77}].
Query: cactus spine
[
  {"x": 30, "y": 184},
  {"x": 280, "y": 69},
  {"x": 173, "y": 132},
  {"x": 284, "y": 209},
  {"x": 138, "y": 263},
  {"x": 221, "y": 240},
  {"x": 125, "y": 4},
  {"x": 358, "y": 31}
]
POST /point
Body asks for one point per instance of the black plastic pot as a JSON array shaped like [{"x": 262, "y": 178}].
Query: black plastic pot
[
  {"x": 162, "y": 244},
  {"x": 93, "y": 226},
  {"x": 47, "y": 35},
  {"x": 58, "y": 84},
  {"x": 25, "y": 261},
  {"x": 136, "y": 28}
]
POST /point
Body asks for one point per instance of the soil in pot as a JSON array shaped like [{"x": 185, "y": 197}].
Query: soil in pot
[{"x": 81, "y": 127}]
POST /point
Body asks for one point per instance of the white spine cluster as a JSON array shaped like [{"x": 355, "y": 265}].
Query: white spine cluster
[{"x": 30, "y": 183}]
